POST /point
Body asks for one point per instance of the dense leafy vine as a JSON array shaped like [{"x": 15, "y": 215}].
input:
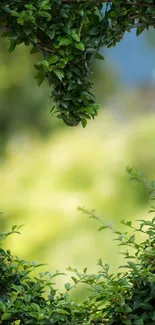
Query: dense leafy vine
[{"x": 69, "y": 35}]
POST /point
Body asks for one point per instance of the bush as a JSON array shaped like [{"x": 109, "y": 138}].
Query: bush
[
  {"x": 116, "y": 299},
  {"x": 127, "y": 298},
  {"x": 25, "y": 299}
]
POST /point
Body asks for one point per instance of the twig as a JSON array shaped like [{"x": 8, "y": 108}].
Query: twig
[{"x": 44, "y": 48}]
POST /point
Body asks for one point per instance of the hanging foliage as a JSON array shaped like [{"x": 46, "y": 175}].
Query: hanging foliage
[{"x": 69, "y": 35}]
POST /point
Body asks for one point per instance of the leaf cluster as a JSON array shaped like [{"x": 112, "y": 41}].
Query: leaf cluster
[
  {"x": 66, "y": 37},
  {"x": 116, "y": 299},
  {"x": 127, "y": 297},
  {"x": 26, "y": 299},
  {"x": 69, "y": 35}
]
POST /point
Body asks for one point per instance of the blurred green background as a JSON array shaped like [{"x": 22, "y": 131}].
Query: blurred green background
[{"x": 47, "y": 169}]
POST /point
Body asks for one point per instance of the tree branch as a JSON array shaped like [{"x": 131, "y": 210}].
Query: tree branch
[{"x": 43, "y": 48}]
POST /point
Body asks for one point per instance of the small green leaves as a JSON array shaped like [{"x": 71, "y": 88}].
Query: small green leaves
[
  {"x": 139, "y": 321},
  {"x": 40, "y": 77},
  {"x": 63, "y": 13},
  {"x": 75, "y": 35},
  {"x": 67, "y": 286},
  {"x": 80, "y": 46},
  {"x": 90, "y": 110},
  {"x": 59, "y": 74},
  {"x": 65, "y": 41},
  {"x": 140, "y": 30},
  {"x": 45, "y": 15},
  {"x": 44, "y": 5},
  {"x": 6, "y": 316},
  {"x": 43, "y": 65},
  {"x": 2, "y": 307},
  {"x": 11, "y": 46},
  {"x": 53, "y": 59},
  {"x": 99, "y": 56},
  {"x": 69, "y": 34},
  {"x": 94, "y": 31},
  {"x": 30, "y": 6},
  {"x": 14, "y": 13},
  {"x": 50, "y": 33},
  {"x": 84, "y": 122}
]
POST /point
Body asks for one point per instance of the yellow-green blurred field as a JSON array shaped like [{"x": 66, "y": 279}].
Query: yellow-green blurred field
[
  {"x": 48, "y": 170},
  {"x": 43, "y": 182}
]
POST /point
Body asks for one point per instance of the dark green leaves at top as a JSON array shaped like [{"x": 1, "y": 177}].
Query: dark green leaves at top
[{"x": 69, "y": 34}]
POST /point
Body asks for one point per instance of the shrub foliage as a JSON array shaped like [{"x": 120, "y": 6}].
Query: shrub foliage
[
  {"x": 69, "y": 34},
  {"x": 116, "y": 299}
]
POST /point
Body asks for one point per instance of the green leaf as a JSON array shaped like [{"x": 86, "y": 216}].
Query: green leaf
[
  {"x": 53, "y": 59},
  {"x": 75, "y": 35},
  {"x": 99, "y": 56},
  {"x": 29, "y": 6},
  {"x": 44, "y": 3},
  {"x": 14, "y": 13},
  {"x": 59, "y": 74},
  {"x": 94, "y": 31},
  {"x": 50, "y": 33},
  {"x": 34, "y": 50},
  {"x": 6, "y": 316},
  {"x": 63, "y": 13},
  {"x": 72, "y": 86},
  {"x": 11, "y": 46},
  {"x": 45, "y": 14},
  {"x": 2, "y": 307},
  {"x": 107, "y": 267},
  {"x": 45, "y": 63},
  {"x": 35, "y": 306},
  {"x": 84, "y": 122},
  {"x": 140, "y": 30},
  {"x": 81, "y": 12},
  {"x": 14, "y": 227},
  {"x": 67, "y": 286},
  {"x": 139, "y": 321},
  {"x": 90, "y": 110},
  {"x": 123, "y": 12},
  {"x": 65, "y": 41},
  {"x": 80, "y": 46},
  {"x": 74, "y": 279},
  {"x": 40, "y": 77}
]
